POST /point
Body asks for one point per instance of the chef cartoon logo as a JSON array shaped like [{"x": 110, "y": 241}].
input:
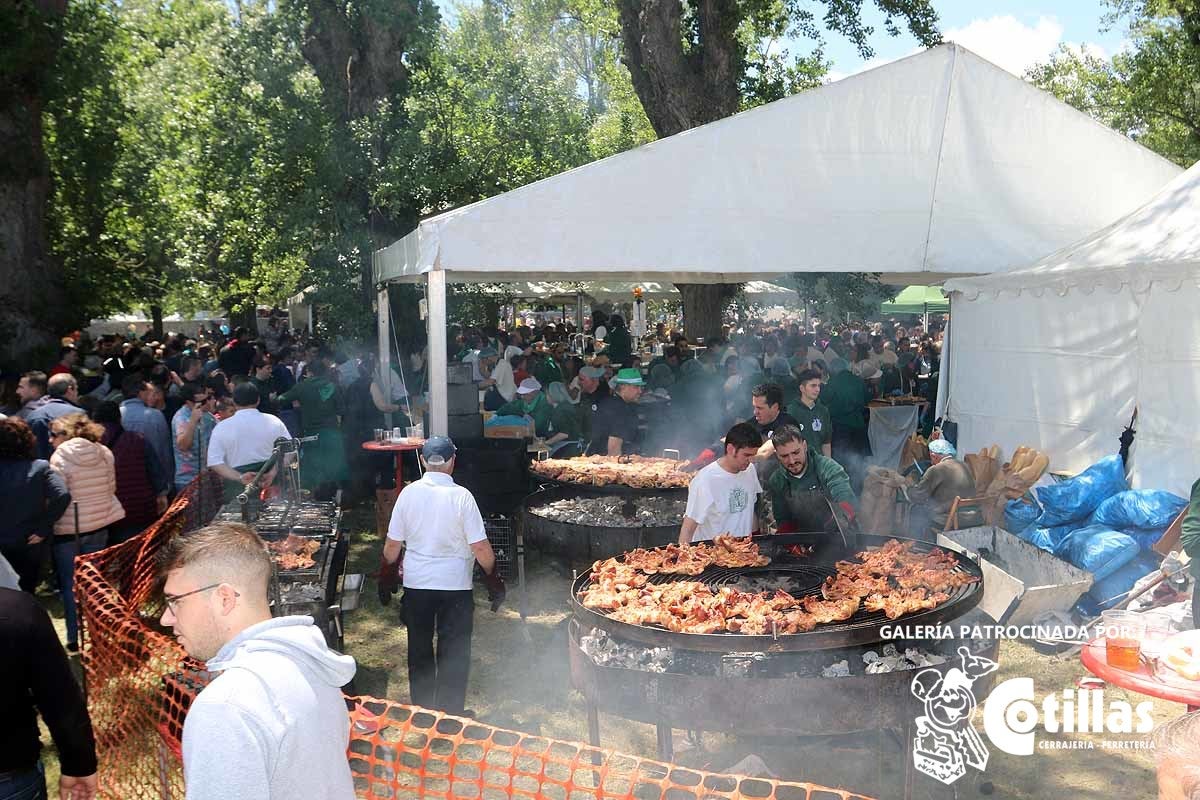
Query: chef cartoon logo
[
  {"x": 946, "y": 742},
  {"x": 738, "y": 500}
]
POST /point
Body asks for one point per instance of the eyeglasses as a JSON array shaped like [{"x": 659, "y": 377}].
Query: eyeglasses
[
  {"x": 173, "y": 599},
  {"x": 56, "y": 433}
]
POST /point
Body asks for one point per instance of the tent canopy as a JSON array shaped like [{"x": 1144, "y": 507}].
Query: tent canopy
[
  {"x": 917, "y": 300},
  {"x": 1064, "y": 351},
  {"x": 939, "y": 164}
]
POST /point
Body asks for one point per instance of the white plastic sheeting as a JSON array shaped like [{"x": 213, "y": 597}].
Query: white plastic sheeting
[
  {"x": 1060, "y": 353},
  {"x": 936, "y": 165}
]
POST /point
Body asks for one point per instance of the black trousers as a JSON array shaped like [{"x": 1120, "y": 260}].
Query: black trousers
[{"x": 437, "y": 678}]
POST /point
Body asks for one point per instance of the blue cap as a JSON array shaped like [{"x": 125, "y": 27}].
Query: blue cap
[{"x": 438, "y": 450}]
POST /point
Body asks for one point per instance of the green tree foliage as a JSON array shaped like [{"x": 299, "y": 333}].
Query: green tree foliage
[
  {"x": 494, "y": 109},
  {"x": 182, "y": 140},
  {"x": 1151, "y": 91}
]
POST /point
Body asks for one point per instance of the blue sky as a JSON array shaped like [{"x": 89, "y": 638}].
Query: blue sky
[{"x": 1016, "y": 34}]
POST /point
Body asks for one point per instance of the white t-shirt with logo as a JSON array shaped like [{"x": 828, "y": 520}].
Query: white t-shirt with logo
[
  {"x": 438, "y": 521},
  {"x": 720, "y": 502}
]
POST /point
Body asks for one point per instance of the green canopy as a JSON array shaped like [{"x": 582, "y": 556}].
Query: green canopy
[{"x": 918, "y": 300}]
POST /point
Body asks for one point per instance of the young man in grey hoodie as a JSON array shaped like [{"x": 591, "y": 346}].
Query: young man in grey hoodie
[{"x": 272, "y": 725}]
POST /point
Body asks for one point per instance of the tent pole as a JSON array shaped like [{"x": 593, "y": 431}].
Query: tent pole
[
  {"x": 383, "y": 311},
  {"x": 435, "y": 293}
]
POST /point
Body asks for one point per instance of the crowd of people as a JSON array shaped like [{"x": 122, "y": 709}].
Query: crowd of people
[
  {"x": 826, "y": 376},
  {"x": 95, "y": 446}
]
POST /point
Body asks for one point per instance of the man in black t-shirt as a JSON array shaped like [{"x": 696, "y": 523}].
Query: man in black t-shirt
[
  {"x": 615, "y": 420},
  {"x": 767, "y": 401}
]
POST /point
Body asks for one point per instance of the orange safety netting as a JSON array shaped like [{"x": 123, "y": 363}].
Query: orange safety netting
[{"x": 140, "y": 683}]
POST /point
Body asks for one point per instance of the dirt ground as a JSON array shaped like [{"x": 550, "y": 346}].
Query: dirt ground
[{"x": 520, "y": 679}]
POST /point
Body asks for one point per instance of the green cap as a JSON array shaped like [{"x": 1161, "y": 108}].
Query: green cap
[{"x": 630, "y": 377}]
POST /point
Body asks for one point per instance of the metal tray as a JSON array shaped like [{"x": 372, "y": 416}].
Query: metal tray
[{"x": 801, "y": 577}]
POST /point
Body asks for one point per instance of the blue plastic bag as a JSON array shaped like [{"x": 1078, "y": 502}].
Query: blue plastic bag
[
  {"x": 1019, "y": 516},
  {"x": 1111, "y": 590},
  {"x": 1052, "y": 536},
  {"x": 1145, "y": 537},
  {"x": 1097, "y": 549},
  {"x": 1139, "y": 508},
  {"x": 1076, "y": 498},
  {"x": 1039, "y": 537}
]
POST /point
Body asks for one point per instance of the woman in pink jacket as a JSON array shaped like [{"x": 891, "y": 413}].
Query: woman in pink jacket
[{"x": 87, "y": 467}]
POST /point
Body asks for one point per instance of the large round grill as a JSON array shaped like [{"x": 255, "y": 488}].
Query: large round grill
[{"x": 800, "y": 577}]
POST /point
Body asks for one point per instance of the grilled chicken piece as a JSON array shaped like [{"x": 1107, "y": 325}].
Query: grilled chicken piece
[{"x": 831, "y": 610}]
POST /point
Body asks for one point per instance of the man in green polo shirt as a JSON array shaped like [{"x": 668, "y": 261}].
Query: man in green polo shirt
[
  {"x": 529, "y": 402},
  {"x": 801, "y": 492},
  {"x": 811, "y": 416}
]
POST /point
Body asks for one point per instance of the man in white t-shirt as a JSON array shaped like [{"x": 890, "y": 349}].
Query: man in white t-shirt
[
  {"x": 721, "y": 496},
  {"x": 240, "y": 444},
  {"x": 437, "y": 528}
]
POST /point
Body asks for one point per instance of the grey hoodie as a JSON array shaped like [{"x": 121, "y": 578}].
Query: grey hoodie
[{"x": 273, "y": 725}]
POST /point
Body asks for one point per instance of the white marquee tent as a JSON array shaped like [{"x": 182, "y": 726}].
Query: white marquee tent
[
  {"x": 936, "y": 165},
  {"x": 1075, "y": 342}
]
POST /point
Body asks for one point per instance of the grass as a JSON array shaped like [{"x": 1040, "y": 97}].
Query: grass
[{"x": 520, "y": 679}]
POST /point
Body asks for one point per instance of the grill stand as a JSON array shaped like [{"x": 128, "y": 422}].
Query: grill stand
[{"x": 804, "y": 706}]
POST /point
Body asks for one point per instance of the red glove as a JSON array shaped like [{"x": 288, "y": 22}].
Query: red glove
[
  {"x": 495, "y": 587},
  {"x": 848, "y": 509},
  {"x": 706, "y": 457},
  {"x": 389, "y": 575}
]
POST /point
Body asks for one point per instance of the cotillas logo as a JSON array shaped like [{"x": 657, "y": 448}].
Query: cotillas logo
[
  {"x": 946, "y": 742},
  {"x": 1010, "y": 715}
]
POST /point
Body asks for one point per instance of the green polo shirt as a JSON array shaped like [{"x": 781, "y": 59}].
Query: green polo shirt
[
  {"x": 539, "y": 412},
  {"x": 820, "y": 473},
  {"x": 846, "y": 396},
  {"x": 564, "y": 419},
  {"x": 814, "y": 423}
]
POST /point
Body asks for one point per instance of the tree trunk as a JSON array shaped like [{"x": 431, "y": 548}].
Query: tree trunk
[
  {"x": 30, "y": 278},
  {"x": 681, "y": 88},
  {"x": 360, "y": 61},
  {"x": 703, "y": 306},
  {"x": 156, "y": 322}
]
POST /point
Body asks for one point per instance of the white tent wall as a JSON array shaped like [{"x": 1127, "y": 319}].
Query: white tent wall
[
  {"x": 1063, "y": 373},
  {"x": 1166, "y": 452},
  {"x": 1058, "y": 373},
  {"x": 1058, "y": 354}
]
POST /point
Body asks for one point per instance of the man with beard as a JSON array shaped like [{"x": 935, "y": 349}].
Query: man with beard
[{"x": 800, "y": 492}]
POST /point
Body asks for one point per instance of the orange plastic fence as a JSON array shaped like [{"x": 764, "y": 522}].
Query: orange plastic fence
[{"x": 140, "y": 684}]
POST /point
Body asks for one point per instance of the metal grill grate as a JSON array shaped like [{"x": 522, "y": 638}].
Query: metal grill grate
[
  {"x": 798, "y": 579},
  {"x": 502, "y": 536}
]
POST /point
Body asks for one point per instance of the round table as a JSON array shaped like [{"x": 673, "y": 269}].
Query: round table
[
  {"x": 399, "y": 449},
  {"x": 1163, "y": 683}
]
